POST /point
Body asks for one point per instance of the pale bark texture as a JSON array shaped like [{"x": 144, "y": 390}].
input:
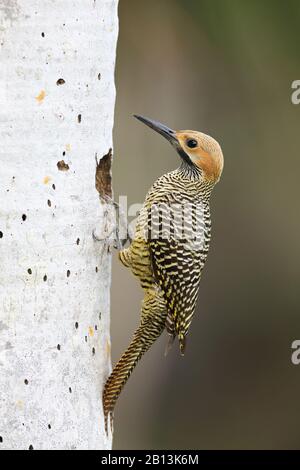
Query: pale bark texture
[{"x": 56, "y": 112}]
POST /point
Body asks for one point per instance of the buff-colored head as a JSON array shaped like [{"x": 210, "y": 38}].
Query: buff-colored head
[
  {"x": 204, "y": 152},
  {"x": 195, "y": 148}
]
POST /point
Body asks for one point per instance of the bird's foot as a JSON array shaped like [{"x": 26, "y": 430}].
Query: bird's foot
[{"x": 115, "y": 231}]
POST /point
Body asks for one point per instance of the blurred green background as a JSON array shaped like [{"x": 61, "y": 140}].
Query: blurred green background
[{"x": 224, "y": 67}]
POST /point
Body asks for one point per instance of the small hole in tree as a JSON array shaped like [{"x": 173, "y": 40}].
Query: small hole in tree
[{"x": 62, "y": 165}]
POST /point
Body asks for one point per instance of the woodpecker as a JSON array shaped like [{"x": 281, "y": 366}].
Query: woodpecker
[{"x": 169, "y": 249}]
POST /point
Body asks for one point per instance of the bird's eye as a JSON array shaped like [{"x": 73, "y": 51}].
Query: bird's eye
[{"x": 191, "y": 143}]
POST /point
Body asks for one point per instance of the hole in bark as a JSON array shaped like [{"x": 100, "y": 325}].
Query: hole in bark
[
  {"x": 43, "y": 35},
  {"x": 96, "y": 269},
  {"x": 30, "y": 447},
  {"x": 45, "y": 278},
  {"x": 26, "y": 382},
  {"x": 49, "y": 426},
  {"x": 1, "y": 439},
  {"x": 58, "y": 347},
  {"x": 93, "y": 351},
  {"x": 68, "y": 273},
  {"x": 85, "y": 339},
  {"x": 29, "y": 270},
  {"x": 53, "y": 187},
  {"x": 96, "y": 327},
  {"x": 100, "y": 314},
  {"x": 79, "y": 118},
  {"x": 1, "y": 234},
  {"x": 99, "y": 76},
  {"x": 60, "y": 81},
  {"x": 70, "y": 390},
  {"x": 49, "y": 203},
  {"x": 103, "y": 175},
  {"x": 76, "y": 325},
  {"x": 62, "y": 166},
  {"x": 24, "y": 217},
  {"x": 78, "y": 241}
]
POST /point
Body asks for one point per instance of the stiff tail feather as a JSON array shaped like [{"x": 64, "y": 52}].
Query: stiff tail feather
[{"x": 143, "y": 338}]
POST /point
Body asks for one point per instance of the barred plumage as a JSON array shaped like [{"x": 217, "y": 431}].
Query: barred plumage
[{"x": 169, "y": 249}]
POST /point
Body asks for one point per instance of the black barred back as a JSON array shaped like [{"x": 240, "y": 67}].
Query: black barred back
[{"x": 178, "y": 233}]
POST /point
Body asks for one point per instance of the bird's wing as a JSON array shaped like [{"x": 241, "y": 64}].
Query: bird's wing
[{"x": 177, "y": 270}]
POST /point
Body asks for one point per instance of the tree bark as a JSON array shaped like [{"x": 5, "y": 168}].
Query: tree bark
[{"x": 56, "y": 112}]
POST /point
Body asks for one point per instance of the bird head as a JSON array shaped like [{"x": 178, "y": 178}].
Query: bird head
[{"x": 195, "y": 148}]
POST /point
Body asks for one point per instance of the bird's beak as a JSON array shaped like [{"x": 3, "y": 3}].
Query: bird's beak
[{"x": 169, "y": 134}]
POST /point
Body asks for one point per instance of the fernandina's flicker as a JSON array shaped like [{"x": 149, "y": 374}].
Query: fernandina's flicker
[{"x": 169, "y": 249}]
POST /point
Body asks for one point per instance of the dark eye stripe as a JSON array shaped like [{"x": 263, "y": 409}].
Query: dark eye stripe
[{"x": 191, "y": 143}]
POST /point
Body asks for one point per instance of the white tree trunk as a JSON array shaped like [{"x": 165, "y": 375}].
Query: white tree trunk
[{"x": 56, "y": 112}]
